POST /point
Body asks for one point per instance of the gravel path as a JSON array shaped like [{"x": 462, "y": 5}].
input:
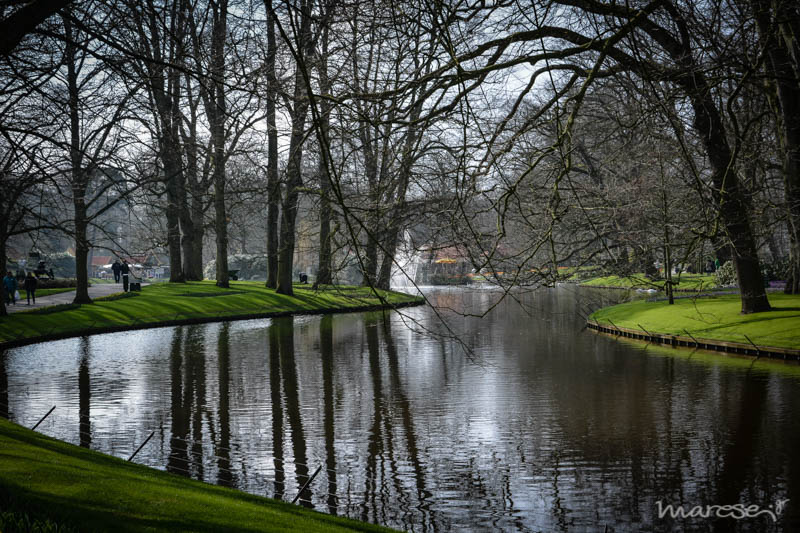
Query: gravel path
[{"x": 95, "y": 291}]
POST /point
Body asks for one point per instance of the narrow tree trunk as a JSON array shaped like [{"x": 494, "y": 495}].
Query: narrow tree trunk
[
  {"x": 218, "y": 132},
  {"x": 273, "y": 186},
  {"x": 3, "y": 239},
  {"x": 78, "y": 173},
  {"x": 324, "y": 276}
]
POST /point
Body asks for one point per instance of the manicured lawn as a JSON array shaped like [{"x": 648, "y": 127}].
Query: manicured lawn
[
  {"x": 717, "y": 318},
  {"x": 180, "y": 301},
  {"x": 81, "y": 490},
  {"x": 640, "y": 281}
]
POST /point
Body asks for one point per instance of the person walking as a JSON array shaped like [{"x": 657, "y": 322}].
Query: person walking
[
  {"x": 30, "y": 284},
  {"x": 10, "y": 284},
  {"x": 117, "y": 269},
  {"x": 125, "y": 270}
]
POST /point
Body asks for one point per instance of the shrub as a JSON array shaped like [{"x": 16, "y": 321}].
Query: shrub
[
  {"x": 726, "y": 275},
  {"x": 58, "y": 283}
]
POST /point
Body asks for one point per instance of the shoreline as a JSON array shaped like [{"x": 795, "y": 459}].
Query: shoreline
[
  {"x": 186, "y": 304},
  {"x": 772, "y": 352},
  {"x": 202, "y": 320},
  {"x": 713, "y": 323}
]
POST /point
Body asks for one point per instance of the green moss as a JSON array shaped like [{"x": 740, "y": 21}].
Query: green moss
[
  {"x": 66, "y": 485},
  {"x": 717, "y": 318},
  {"x": 165, "y": 302}
]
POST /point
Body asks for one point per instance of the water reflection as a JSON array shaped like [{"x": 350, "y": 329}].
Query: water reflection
[
  {"x": 84, "y": 396},
  {"x": 291, "y": 391},
  {"x": 517, "y": 421},
  {"x": 326, "y": 355},
  {"x": 277, "y": 411}
]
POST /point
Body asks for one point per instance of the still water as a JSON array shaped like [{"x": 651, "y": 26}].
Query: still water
[{"x": 518, "y": 420}]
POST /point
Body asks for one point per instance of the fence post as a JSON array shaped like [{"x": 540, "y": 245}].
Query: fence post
[
  {"x": 307, "y": 483},
  {"x": 42, "y": 419},
  {"x": 141, "y": 446},
  {"x": 758, "y": 350}
]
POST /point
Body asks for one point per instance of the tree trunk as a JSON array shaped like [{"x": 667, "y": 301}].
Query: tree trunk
[
  {"x": 218, "y": 132},
  {"x": 192, "y": 211},
  {"x": 3, "y": 239},
  {"x": 81, "y": 251},
  {"x": 196, "y": 260},
  {"x": 732, "y": 202},
  {"x": 273, "y": 186},
  {"x": 783, "y": 69},
  {"x": 324, "y": 276},
  {"x": 172, "y": 169},
  {"x": 294, "y": 176},
  {"x": 79, "y": 177},
  {"x": 389, "y": 252}
]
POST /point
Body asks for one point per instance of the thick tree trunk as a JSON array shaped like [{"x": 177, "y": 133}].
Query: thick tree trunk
[
  {"x": 775, "y": 20},
  {"x": 221, "y": 229},
  {"x": 390, "y": 250},
  {"x": 79, "y": 177},
  {"x": 172, "y": 169},
  {"x": 370, "y": 259},
  {"x": 218, "y": 131},
  {"x": 732, "y": 202},
  {"x": 81, "y": 253},
  {"x": 324, "y": 276},
  {"x": 294, "y": 176},
  {"x": 196, "y": 258},
  {"x": 273, "y": 185},
  {"x": 192, "y": 214}
]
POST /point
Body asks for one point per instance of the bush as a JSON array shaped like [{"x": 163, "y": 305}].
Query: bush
[
  {"x": 58, "y": 283},
  {"x": 726, "y": 275},
  {"x": 776, "y": 270},
  {"x": 250, "y": 267}
]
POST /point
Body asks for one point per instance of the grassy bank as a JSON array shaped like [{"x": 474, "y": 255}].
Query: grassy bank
[
  {"x": 716, "y": 318},
  {"x": 170, "y": 302},
  {"x": 687, "y": 282},
  {"x": 74, "y": 489}
]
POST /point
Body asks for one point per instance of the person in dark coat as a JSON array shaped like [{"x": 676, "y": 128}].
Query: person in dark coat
[
  {"x": 125, "y": 270},
  {"x": 10, "y": 284},
  {"x": 116, "y": 268},
  {"x": 30, "y": 284}
]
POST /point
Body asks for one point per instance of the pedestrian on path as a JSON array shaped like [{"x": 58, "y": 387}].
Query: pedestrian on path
[
  {"x": 30, "y": 287},
  {"x": 125, "y": 269},
  {"x": 10, "y": 284},
  {"x": 116, "y": 268}
]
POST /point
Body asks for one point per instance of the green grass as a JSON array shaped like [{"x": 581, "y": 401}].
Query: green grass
[
  {"x": 82, "y": 490},
  {"x": 181, "y": 301},
  {"x": 690, "y": 282},
  {"x": 716, "y": 318}
]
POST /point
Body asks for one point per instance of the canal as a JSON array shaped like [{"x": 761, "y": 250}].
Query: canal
[{"x": 436, "y": 418}]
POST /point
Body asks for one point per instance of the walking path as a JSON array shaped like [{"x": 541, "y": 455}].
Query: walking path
[{"x": 95, "y": 291}]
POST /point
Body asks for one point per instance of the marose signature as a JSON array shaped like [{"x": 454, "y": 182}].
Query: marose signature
[{"x": 737, "y": 511}]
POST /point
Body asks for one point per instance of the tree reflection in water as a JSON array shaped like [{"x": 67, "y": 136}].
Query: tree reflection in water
[{"x": 539, "y": 427}]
